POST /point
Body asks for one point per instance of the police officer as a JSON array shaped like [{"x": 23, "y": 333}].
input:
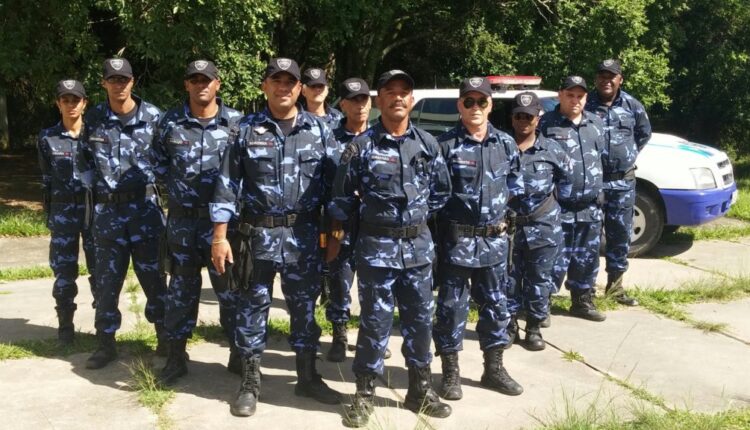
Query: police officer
[
  {"x": 279, "y": 157},
  {"x": 626, "y": 131},
  {"x": 485, "y": 172},
  {"x": 66, "y": 179},
  {"x": 315, "y": 90},
  {"x": 581, "y": 136},
  {"x": 356, "y": 104},
  {"x": 191, "y": 139},
  {"x": 400, "y": 177},
  {"x": 128, "y": 220},
  {"x": 538, "y": 232}
]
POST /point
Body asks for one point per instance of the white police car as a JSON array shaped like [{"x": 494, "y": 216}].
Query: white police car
[{"x": 679, "y": 183}]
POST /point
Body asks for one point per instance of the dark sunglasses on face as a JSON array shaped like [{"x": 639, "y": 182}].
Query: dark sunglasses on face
[
  {"x": 469, "y": 102},
  {"x": 118, "y": 79},
  {"x": 522, "y": 117}
]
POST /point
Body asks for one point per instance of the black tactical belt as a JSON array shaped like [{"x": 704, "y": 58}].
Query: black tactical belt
[
  {"x": 465, "y": 230},
  {"x": 179, "y": 211},
  {"x": 618, "y": 176},
  {"x": 540, "y": 211},
  {"x": 77, "y": 199},
  {"x": 577, "y": 206},
  {"x": 270, "y": 221},
  {"x": 406, "y": 232},
  {"x": 126, "y": 196}
]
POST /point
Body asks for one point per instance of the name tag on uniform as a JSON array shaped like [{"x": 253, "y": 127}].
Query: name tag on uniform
[
  {"x": 386, "y": 158},
  {"x": 98, "y": 139},
  {"x": 463, "y": 162},
  {"x": 60, "y": 154},
  {"x": 175, "y": 141},
  {"x": 261, "y": 143}
]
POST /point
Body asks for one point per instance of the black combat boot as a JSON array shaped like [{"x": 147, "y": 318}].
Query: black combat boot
[
  {"x": 583, "y": 305},
  {"x": 421, "y": 398},
  {"x": 105, "y": 352},
  {"x": 234, "y": 365},
  {"x": 337, "y": 353},
  {"x": 495, "y": 376},
  {"x": 615, "y": 289},
  {"x": 176, "y": 363},
  {"x": 162, "y": 344},
  {"x": 65, "y": 328},
  {"x": 310, "y": 383},
  {"x": 533, "y": 340},
  {"x": 362, "y": 405},
  {"x": 512, "y": 332},
  {"x": 247, "y": 396},
  {"x": 450, "y": 388}
]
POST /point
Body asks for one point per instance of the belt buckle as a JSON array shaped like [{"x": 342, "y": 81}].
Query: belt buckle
[
  {"x": 411, "y": 231},
  {"x": 291, "y": 219}
]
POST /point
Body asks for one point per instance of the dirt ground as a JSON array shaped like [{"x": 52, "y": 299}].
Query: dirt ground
[{"x": 20, "y": 180}]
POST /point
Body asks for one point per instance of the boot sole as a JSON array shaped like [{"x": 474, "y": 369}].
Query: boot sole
[
  {"x": 447, "y": 396},
  {"x": 172, "y": 378},
  {"x": 98, "y": 365},
  {"x": 300, "y": 392},
  {"x": 500, "y": 390},
  {"x": 241, "y": 412},
  {"x": 532, "y": 347},
  {"x": 428, "y": 412}
]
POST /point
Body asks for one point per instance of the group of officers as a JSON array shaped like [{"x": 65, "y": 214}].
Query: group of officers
[{"x": 297, "y": 188}]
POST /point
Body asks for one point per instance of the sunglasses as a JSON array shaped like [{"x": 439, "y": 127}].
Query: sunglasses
[
  {"x": 118, "y": 79},
  {"x": 469, "y": 102},
  {"x": 523, "y": 117}
]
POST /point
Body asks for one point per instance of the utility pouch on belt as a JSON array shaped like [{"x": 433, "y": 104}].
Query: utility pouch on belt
[
  {"x": 241, "y": 272},
  {"x": 88, "y": 209}
]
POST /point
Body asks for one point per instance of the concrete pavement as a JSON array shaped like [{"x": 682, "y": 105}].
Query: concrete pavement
[{"x": 671, "y": 360}]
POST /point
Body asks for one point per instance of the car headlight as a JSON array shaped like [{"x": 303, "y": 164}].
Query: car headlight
[{"x": 703, "y": 177}]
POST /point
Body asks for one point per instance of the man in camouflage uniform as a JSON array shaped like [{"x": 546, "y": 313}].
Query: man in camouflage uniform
[
  {"x": 400, "y": 177},
  {"x": 538, "y": 232},
  {"x": 65, "y": 179},
  {"x": 191, "y": 140},
  {"x": 626, "y": 131},
  {"x": 279, "y": 160},
  {"x": 355, "y": 102},
  {"x": 580, "y": 134},
  {"x": 473, "y": 245},
  {"x": 128, "y": 220}
]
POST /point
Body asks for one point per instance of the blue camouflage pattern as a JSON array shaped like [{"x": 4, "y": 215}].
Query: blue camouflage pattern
[
  {"x": 188, "y": 158},
  {"x": 332, "y": 118},
  {"x": 64, "y": 177},
  {"x": 399, "y": 181},
  {"x": 484, "y": 176},
  {"x": 121, "y": 158},
  {"x": 546, "y": 168},
  {"x": 273, "y": 174},
  {"x": 627, "y": 130},
  {"x": 578, "y": 254}
]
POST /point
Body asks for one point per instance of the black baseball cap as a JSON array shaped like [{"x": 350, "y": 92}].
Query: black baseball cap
[
  {"x": 610, "y": 65},
  {"x": 117, "y": 67},
  {"x": 314, "y": 76},
  {"x": 282, "y": 65},
  {"x": 526, "y": 102},
  {"x": 572, "y": 82},
  {"x": 476, "y": 83},
  {"x": 202, "y": 67},
  {"x": 354, "y": 87},
  {"x": 391, "y": 75},
  {"x": 70, "y": 86}
]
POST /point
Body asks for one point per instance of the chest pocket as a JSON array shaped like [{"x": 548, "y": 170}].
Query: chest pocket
[
  {"x": 464, "y": 174},
  {"x": 539, "y": 178},
  {"x": 384, "y": 172},
  {"x": 499, "y": 164},
  {"x": 179, "y": 151},
  {"x": 309, "y": 168},
  {"x": 625, "y": 127},
  {"x": 261, "y": 162},
  {"x": 62, "y": 159}
]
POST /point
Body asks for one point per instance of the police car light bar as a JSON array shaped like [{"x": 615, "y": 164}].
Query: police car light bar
[{"x": 507, "y": 82}]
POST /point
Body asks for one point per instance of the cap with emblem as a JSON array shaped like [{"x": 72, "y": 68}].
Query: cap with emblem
[
  {"x": 527, "y": 102},
  {"x": 354, "y": 87},
  {"x": 202, "y": 67},
  {"x": 117, "y": 67},
  {"x": 282, "y": 65},
  {"x": 391, "y": 75},
  {"x": 314, "y": 76},
  {"x": 70, "y": 86},
  {"x": 477, "y": 84},
  {"x": 610, "y": 65},
  {"x": 572, "y": 82}
]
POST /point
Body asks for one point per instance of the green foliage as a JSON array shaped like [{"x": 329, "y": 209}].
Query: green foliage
[
  {"x": 33, "y": 272},
  {"x": 22, "y": 222}
]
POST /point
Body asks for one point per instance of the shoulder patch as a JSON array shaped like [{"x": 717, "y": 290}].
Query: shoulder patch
[{"x": 351, "y": 151}]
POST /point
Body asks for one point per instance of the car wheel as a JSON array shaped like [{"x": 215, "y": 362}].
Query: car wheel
[
  {"x": 648, "y": 223},
  {"x": 668, "y": 229}
]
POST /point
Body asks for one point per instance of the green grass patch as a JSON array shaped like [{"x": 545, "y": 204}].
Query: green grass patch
[
  {"x": 43, "y": 348},
  {"x": 4, "y": 293},
  {"x": 572, "y": 356},
  {"x": 741, "y": 209},
  {"x": 151, "y": 394},
  {"x": 33, "y": 272},
  {"x": 22, "y": 222},
  {"x": 692, "y": 234},
  {"x": 561, "y": 304}
]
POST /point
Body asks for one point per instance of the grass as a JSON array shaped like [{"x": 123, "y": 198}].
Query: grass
[
  {"x": 741, "y": 209},
  {"x": 150, "y": 393},
  {"x": 572, "y": 356},
  {"x": 22, "y": 222},
  {"x": 692, "y": 234},
  {"x": 33, "y": 272}
]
